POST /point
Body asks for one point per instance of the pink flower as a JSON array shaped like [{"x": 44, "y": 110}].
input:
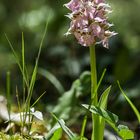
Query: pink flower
[
  {"x": 73, "y": 5},
  {"x": 89, "y": 22},
  {"x": 99, "y": 1}
]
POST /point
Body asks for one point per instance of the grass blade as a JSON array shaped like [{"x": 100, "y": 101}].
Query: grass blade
[
  {"x": 130, "y": 103},
  {"x": 101, "y": 78},
  {"x": 52, "y": 79},
  {"x": 99, "y": 83},
  {"x": 38, "y": 99},
  {"x": 15, "y": 54},
  {"x": 16, "y": 58},
  {"x": 33, "y": 78},
  {"x": 23, "y": 68}
]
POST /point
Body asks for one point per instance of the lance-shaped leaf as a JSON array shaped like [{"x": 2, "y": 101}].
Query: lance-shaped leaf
[
  {"x": 130, "y": 103},
  {"x": 65, "y": 128},
  {"x": 107, "y": 115},
  {"x": 104, "y": 98},
  {"x": 103, "y": 104}
]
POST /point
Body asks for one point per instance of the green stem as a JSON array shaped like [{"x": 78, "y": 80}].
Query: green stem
[
  {"x": 83, "y": 127},
  {"x": 94, "y": 97},
  {"x": 93, "y": 74},
  {"x": 8, "y": 93}
]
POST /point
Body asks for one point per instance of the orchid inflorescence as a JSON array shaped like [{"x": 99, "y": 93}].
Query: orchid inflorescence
[{"x": 89, "y": 22}]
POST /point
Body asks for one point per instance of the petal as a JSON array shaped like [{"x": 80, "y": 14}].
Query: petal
[
  {"x": 98, "y": 19},
  {"x": 105, "y": 43},
  {"x": 99, "y": 1},
  {"x": 73, "y": 5},
  {"x": 109, "y": 33}
]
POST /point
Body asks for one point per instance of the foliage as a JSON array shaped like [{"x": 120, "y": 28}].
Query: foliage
[
  {"x": 124, "y": 132},
  {"x": 63, "y": 61}
]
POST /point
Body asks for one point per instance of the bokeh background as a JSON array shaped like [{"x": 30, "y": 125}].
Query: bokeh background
[{"x": 64, "y": 58}]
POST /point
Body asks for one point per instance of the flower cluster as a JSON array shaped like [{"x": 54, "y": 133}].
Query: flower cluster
[{"x": 89, "y": 21}]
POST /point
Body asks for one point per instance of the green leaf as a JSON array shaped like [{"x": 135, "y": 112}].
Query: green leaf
[
  {"x": 52, "y": 79},
  {"x": 107, "y": 115},
  {"x": 85, "y": 82},
  {"x": 57, "y": 134},
  {"x": 38, "y": 99},
  {"x": 112, "y": 120},
  {"x": 51, "y": 132},
  {"x": 67, "y": 102},
  {"x": 65, "y": 128},
  {"x": 104, "y": 98},
  {"x": 130, "y": 103},
  {"x": 31, "y": 86},
  {"x": 17, "y": 58},
  {"x": 125, "y": 132},
  {"x": 34, "y": 73},
  {"x": 103, "y": 104}
]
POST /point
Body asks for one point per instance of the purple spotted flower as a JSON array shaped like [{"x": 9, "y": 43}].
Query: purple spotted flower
[{"x": 89, "y": 22}]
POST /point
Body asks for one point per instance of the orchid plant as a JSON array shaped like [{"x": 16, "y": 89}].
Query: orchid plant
[{"x": 89, "y": 24}]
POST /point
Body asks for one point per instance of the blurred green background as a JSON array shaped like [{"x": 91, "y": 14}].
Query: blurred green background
[{"x": 64, "y": 58}]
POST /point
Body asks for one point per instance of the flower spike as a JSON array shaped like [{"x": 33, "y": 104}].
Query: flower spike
[{"x": 89, "y": 21}]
